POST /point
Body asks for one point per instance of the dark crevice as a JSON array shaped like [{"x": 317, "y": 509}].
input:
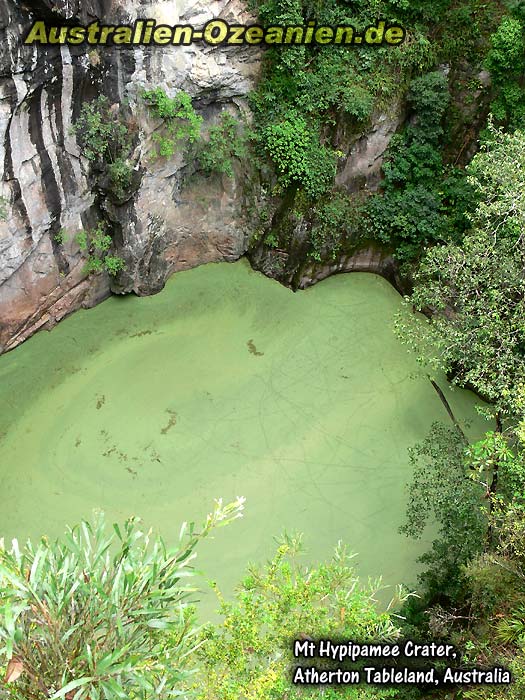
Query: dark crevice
[{"x": 50, "y": 187}]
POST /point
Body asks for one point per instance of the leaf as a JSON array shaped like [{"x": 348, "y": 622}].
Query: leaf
[
  {"x": 73, "y": 685},
  {"x": 15, "y": 669},
  {"x": 158, "y": 624}
]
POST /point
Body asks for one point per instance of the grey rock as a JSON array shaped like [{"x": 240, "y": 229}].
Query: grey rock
[{"x": 167, "y": 225}]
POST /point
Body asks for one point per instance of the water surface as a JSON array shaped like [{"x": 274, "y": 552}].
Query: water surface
[{"x": 225, "y": 384}]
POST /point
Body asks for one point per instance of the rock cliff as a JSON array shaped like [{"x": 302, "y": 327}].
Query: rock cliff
[
  {"x": 176, "y": 218},
  {"x": 44, "y": 177}
]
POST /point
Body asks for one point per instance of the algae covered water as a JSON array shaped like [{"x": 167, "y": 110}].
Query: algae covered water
[{"x": 226, "y": 384}]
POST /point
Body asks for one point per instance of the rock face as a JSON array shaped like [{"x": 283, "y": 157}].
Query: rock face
[
  {"x": 359, "y": 174},
  {"x": 362, "y": 168},
  {"x": 176, "y": 217},
  {"x": 43, "y": 177}
]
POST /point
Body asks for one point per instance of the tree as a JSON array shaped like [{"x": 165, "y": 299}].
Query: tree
[
  {"x": 474, "y": 292},
  {"x": 496, "y": 583},
  {"x": 474, "y": 297},
  {"x": 442, "y": 492},
  {"x": 506, "y": 63},
  {"x": 250, "y": 653},
  {"x": 422, "y": 200},
  {"x": 100, "y": 616}
]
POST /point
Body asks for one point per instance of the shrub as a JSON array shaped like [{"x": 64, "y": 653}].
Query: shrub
[
  {"x": 98, "y": 615},
  {"x": 506, "y": 62},
  {"x": 113, "y": 264},
  {"x": 423, "y": 201},
  {"x": 250, "y": 653},
  {"x": 106, "y": 142},
  {"x": 294, "y": 148},
  {"x": 121, "y": 177},
  {"x": 334, "y": 221},
  {"x": 223, "y": 145},
  {"x": 442, "y": 492},
  {"x": 96, "y": 244},
  {"x": 180, "y": 121},
  {"x": 101, "y": 131}
]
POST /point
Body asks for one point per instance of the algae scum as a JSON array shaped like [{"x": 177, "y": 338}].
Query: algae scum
[{"x": 225, "y": 384}]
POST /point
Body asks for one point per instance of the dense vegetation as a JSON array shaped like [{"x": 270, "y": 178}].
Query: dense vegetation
[
  {"x": 474, "y": 292},
  {"x": 458, "y": 230},
  {"x": 100, "y": 615},
  {"x": 250, "y": 654},
  {"x": 313, "y": 102}
]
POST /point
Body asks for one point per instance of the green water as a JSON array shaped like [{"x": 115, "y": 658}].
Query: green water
[{"x": 226, "y": 384}]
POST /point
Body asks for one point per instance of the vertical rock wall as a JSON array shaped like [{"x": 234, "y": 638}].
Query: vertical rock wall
[
  {"x": 176, "y": 217},
  {"x": 164, "y": 227}
]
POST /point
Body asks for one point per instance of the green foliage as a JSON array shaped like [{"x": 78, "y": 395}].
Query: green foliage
[
  {"x": 442, "y": 492},
  {"x": 312, "y": 97},
  {"x": 516, "y": 8},
  {"x": 475, "y": 296},
  {"x": 330, "y": 86},
  {"x": 166, "y": 145},
  {"x": 293, "y": 145},
  {"x": 274, "y": 12},
  {"x": 180, "y": 122},
  {"x": 422, "y": 201},
  {"x": 306, "y": 90},
  {"x": 224, "y": 144},
  {"x": 466, "y": 29},
  {"x": 481, "y": 519},
  {"x": 512, "y": 629},
  {"x": 121, "y": 177},
  {"x": 91, "y": 615},
  {"x": 491, "y": 587},
  {"x": 497, "y": 174},
  {"x": 113, "y": 264},
  {"x": 96, "y": 244},
  {"x": 506, "y": 62},
  {"x": 475, "y": 333},
  {"x": 497, "y": 601},
  {"x": 82, "y": 241},
  {"x": 335, "y": 221},
  {"x": 476, "y": 290},
  {"x": 106, "y": 141},
  {"x": 96, "y": 240},
  {"x": 60, "y": 236},
  {"x": 250, "y": 653},
  {"x": 496, "y": 592},
  {"x": 101, "y": 131},
  {"x": 480, "y": 342},
  {"x": 480, "y": 580}
]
